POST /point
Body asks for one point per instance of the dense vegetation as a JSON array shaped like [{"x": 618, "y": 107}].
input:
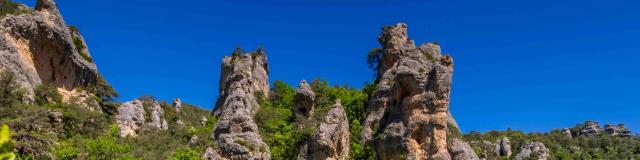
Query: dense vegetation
[
  {"x": 9, "y": 7},
  {"x": 563, "y": 147},
  {"x": 278, "y": 123},
  {"x": 79, "y": 133}
]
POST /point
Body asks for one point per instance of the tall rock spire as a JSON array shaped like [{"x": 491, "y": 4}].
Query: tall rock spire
[
  {"x": 243, "y": 82},
  {"x": 408, "y": 113}
]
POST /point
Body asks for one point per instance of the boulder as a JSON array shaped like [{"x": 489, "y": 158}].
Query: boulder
[
  {"x": 130, "y": 118},
  {"x": 243, "y": 82},
  {"x": 304, "y": 101},
  {"x": 460, "y": 150},
  {"x": 534, "y": 150},
  {"x": 331, "y": 141},
  {"x": 408, "y": 114},
  {"x": 505, "y": 147}
]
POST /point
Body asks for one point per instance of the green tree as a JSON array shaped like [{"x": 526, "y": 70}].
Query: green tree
[
  {"x": 6, "y": 146},
  {"x": 186, "y": 154},
  {"x": 10, "y": 91}
]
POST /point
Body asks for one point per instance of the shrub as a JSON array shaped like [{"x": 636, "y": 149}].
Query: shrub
[
  {"x": 66, "y": 151},
  {"x": 105, "y": 147},
  {"x": 48, "y": 95},
  {"x": 6, "y": 146},
  {"x": 186, "y": 154},
  {"x": 10, "y": 92},
  {"x": 9, "y": 7}
]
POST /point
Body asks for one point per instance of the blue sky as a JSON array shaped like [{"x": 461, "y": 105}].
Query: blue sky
[{"x": 529, "y": 65}]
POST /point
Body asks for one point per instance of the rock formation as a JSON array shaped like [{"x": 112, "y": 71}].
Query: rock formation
[
  {"x": 157, "y": 114},
  {"x": 567, "y": 132},
  {"x": 408, "y": 113},
  {"x": 590, "y": 128},
  {"x": 534, "y": 150},
  {"x": 505, "y": 147},
  {"x": 304, "y": 101},
  {"x": 130, "y": 118},
  {"x": 243, "y": 81},
  {"x": 177, "y": 104},
  {"x": 41, "y": 49},
  {"x": 460, "y": 150},
  {"x": 331, "y": 141},
  {"x": 618, "y": 130}
]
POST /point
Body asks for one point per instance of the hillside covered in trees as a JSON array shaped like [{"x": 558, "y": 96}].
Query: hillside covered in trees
[{"x": 54, "y": 104}]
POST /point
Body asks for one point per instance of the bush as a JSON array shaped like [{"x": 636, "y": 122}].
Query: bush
[
  {"x": 10, "y": 92},
  {"x": 48, "y": 95},
  {"x": 6, "y": 146},
  {"x": 66, "y": 151},
  {"x": 186, "y": 154},
  {"x": 9, "y": 7},
  {"x": 106, "y": 148}
]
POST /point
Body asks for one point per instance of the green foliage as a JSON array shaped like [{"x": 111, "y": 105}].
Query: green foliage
[
  {"x": 66, "y": 151},
  {"x": 48, "y": 95},
  {"x": 104, "y": 95},
  {"x": 10, "y": 92},
  {"x": 79, "y": 44},
  {"x": 373, "y": 58},
  {"x": 79, "y": 121},
  {"x": 562, "y": 147},
  {"x": 106, "y": 147},
  {"x": 6, "y": 146},
  {"x": 186, "y": 154},
  {"x": 9, "y": 7}
]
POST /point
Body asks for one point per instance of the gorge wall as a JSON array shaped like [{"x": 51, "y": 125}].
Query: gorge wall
[{"x": 39, "y": 48}]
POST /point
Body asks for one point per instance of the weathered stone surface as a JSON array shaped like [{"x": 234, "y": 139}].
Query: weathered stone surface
[
  {"x": 408, "y": 113},
  {"x": 618, "y": 130},
  {"x": 209, "y": 154},
  {"x": 193, "y": 140},
  {"x": 567, "y": 132},
  {"x": 331, "y": 141},
  {"x": 157, "y": 114},
  {"x": 590, "y": 128},
  {"x": 460, "y": 150},
  {"x": 304, "y": 101},
  {"x": 244, "y": 76},
  {"x": 505, "y": 147},
  {"x": 131, "y": 118},
  {"x": 177, "y": 104},
  {"x": 534, "y": 150},
  {"x": 39, "y": 48}
]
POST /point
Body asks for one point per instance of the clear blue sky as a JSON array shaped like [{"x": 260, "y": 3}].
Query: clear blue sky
[{"x": 529, "y": 65}]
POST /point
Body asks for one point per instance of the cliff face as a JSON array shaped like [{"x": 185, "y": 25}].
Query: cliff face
[
  {"x": 40, "y": 48},
  {"x": 244, "y": 76},
  {"x": 408, "y": 114}
]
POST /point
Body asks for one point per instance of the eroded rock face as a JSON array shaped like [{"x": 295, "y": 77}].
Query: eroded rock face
[
  {"x": 177, "y": 104},
  {"x": 244, "y": 76},
  {"x": 130, "y": 118},
  {"x": 304, "y": 101},
  {"x": 408, "y": 113},
  {"x": 618, "y": 130},
  {"x": 157, "y": 114},
  {"x": 39, "y": 48},
  {"x": 331, "y": 141},
  {"x": 534, "y": 150},
  {"x": 590, "y": 128},
  {"x": 505, "y": 147},
  {"x": 460, "y": 150}
]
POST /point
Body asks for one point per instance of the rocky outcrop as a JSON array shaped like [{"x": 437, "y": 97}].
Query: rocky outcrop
[
  {"x": 40, "y": 48},
  {"x": 460, "y": 150},
  {"x": 243, "y": 81},
  {"x": 534, "y": 150},
  {"x": 618, "y": 130},
  {"x": 567, "y": 132},
  {"x": 590, "y": 128},
  {"x": 177, "y": 104},
  {"x": 157, "y": 114},
  {"x": 331, "y": 141},
  {"x": 130, "y": 118},
  {"x": 304, "y": 101},
  {"x": 505, "y": 147},
  {"x": 408, "y": 112},
  {"x": 209, "y": 154}
]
